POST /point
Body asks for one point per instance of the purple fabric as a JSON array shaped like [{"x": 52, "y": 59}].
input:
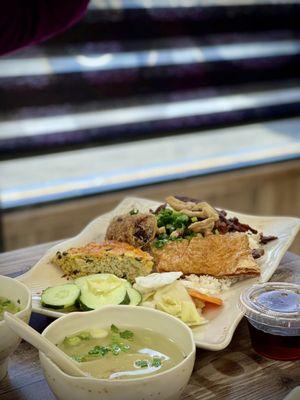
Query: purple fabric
[{"x": 27, "y": 22}]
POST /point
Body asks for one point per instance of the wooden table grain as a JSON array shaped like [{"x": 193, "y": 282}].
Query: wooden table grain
[{"x": 234, "y": 373}]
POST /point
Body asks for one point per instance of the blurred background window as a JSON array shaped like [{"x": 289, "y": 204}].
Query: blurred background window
[{"x": 149, "y": 98}]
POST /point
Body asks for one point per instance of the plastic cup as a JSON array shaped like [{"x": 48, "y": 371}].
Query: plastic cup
[{"x": 273, "y": 314}]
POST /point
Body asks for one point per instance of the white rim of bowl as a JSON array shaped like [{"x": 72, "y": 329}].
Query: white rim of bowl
[{"x": 29, "y": 300}]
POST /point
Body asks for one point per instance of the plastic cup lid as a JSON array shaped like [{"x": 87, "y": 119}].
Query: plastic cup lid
[{"x": 275, "y": 304}]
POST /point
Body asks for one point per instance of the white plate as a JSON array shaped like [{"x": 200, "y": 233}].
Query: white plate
[{"x": 215, "y": 335}]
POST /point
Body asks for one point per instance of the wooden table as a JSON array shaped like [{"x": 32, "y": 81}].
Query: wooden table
[{"x": 234, "y": 373}]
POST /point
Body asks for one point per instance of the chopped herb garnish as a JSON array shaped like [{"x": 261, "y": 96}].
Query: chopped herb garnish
[
  {"x": 125, "y": 347},
  {"x": 141, "y": 363},
  {"x": 117, "y": 333},
  {"x": 160, "y": 243},
  {"x": 77, "y": 358},
  {"x": 181, "y": 220},
  {"x": 126, "y": 334},
  {"x": 171, "y": 228},
  {"x": 174, "y": 219},
  {"x": 114, "y": 329},
  {"x": 85, "y": 336},
  {"x": 72, "y": 340},
  {"x": 156, "y": 362},
  {"x": 134, "y": 211},
  {"x": 115, "y": 349},
  {"x": 175, "y": 225},
  {"x": 99, "y": 351}
]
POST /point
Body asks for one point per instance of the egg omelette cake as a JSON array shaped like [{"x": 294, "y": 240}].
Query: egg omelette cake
[{"x": 121, "y": 259}]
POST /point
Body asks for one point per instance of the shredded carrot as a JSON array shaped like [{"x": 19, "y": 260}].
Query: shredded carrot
[{"x": 205, "y": 298}]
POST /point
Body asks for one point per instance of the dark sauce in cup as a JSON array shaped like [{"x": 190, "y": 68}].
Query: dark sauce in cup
[
  {"x": 273, "y": 314},
  {"x": 276, "y": 347}
]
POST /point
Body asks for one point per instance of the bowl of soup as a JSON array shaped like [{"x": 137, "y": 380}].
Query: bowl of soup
[
  {"x": 15, "y": 298},
  {"x": 128, "y": 353}
]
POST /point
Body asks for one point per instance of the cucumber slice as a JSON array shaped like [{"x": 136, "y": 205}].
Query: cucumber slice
[
  {"x": 61, "y": 296},
  {"x": 99, "y": 283},
  {"x": 126, "y": 283},
  {"x": 126, "y": 300},
  {"x": 134, "y": 296},
  {"x": 101, "y": 289},
  {"x": 88, "y": 301}
]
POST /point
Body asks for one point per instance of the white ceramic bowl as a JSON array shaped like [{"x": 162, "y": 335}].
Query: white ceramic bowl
[
  {"x": 14, "y": 291},
  {"x": 167, "y": 385}
]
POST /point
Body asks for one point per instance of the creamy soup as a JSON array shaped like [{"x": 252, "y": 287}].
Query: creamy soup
[
  {"x": 116, "y": 353},
  {"x": 7, "y": 305}
]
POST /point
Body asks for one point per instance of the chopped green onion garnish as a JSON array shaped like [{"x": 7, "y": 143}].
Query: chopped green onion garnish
[
  {"x": 99, "y": 351},
  {"x": 134, "y": 211},
  {"x": 156, "y": 362},
  {"x": 77, "y": 358},
  {"x": 114, "y": 329},
  {"x": 126, "y": 334},
  {"x": 141, "y": 363}
]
